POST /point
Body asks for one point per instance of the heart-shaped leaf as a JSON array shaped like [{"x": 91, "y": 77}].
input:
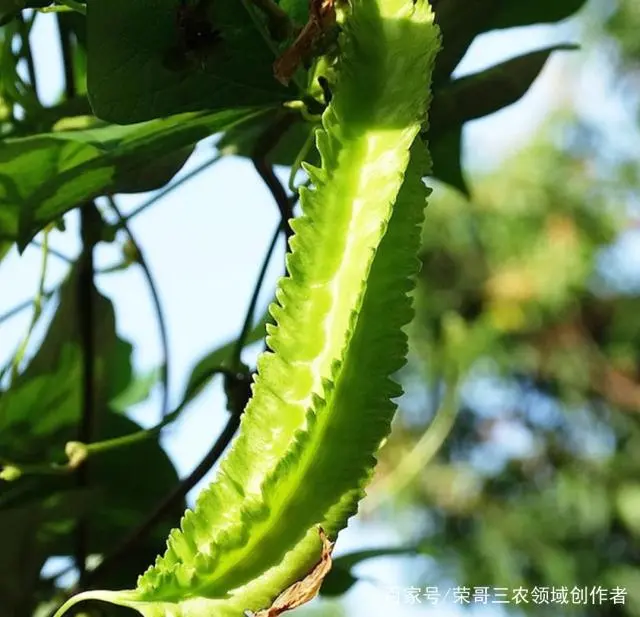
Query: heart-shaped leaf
[{"x": 168, "y": 57}]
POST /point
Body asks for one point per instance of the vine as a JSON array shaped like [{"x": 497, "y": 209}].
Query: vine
[{"x": 322, "y": 398}]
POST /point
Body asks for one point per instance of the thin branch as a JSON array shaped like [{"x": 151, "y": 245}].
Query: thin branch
[
  {"x": 164, "y": 508},
  {"x": 78, "y": 452},
  {"x": 162, "y": 323},
  {"x": 248, "y": 320},
  {"x": 86, "y": 321},
  {"x": 37, "y": 307},
  {"x": 89, "y": 224},
  {"x": 132, "y": 438},
  {"x": 61, "y": 256},
  {"x": 260, "y": 155},
  {"x": 297, "y": 164},
  {"x": 421, "y": 454},
  {"x": 25, "y": 305},
  {"x": 118, "y": 266}
]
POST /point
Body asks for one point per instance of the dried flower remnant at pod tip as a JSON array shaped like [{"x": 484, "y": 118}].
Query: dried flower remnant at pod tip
[{"x": 304, "y": 590}]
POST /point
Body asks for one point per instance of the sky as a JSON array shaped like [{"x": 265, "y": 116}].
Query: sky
[{"x": 205, "y": 244}]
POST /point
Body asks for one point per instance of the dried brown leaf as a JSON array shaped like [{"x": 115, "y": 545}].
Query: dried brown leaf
[
  {"x": 322, "y": 17},
  {"x": 304, "y": 590}
]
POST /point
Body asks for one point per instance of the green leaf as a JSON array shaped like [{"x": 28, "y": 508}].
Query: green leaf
[
  {"x": 45, "y": 398},
  {"x": 472, "y": 97},
  {"x": 120, "y": 371},
  {"x": 15, "y": 5},
  {"x": 34, "y": 409},
  {"x": 24, "y": 535},
  {"x": 128, "y": 483},
  {"x": 9, "y": 6},
  {"x": 338, "y": 582},
  {"x": 514, "y": 13},
  {"x": 484, "y": 93},
  {"x": 220, "y": 357},
  {"x": 462, "y": 20},
  {"x": 125, "y": 485},
  {"x": 45, "y": 176},
  {"x": 340, "y": 579},
  {"x": 40, "y": 412},
  {"x": 153, "y": 174},
  {"x": 137, "y": 391},
  {"x": 5, "y": 245},
  {"x": 44, "y": 120},
  {"x": 140, "y": 47},
  {"x": 241, "y": 141},
  {"x": 64, "y": 337},
  {"x": 446, "y": 152},
  {"x": 298, "y": 10},
  {"x": 350, "y": 560},
  {"x": 10, "y": 9}
]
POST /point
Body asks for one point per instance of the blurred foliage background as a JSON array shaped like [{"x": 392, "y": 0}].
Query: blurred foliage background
[
  {"x": 538, "y": 480},
  {"x": 515, "y": 457}
]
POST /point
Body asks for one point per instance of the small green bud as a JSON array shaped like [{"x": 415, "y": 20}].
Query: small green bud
[{"x": 76, "y": 452}]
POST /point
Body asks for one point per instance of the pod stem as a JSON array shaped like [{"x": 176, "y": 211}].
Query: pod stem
[{"x": 113, "y": 597}]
